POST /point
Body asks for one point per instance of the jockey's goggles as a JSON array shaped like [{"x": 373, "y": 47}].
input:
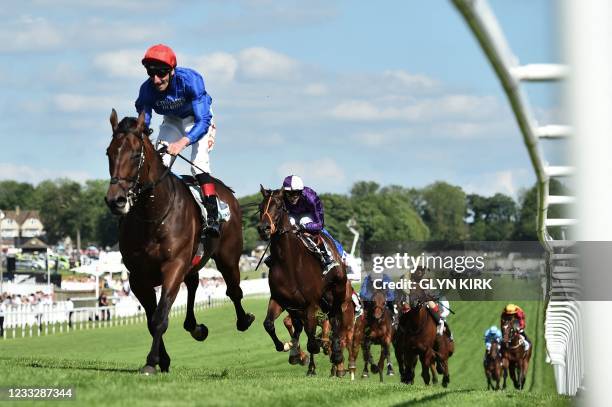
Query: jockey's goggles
[
  {"x": 293, "y": 193},
  {"x": 159, "y": 71}
]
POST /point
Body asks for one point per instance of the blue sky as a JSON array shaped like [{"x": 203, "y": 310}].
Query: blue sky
[{"x": 337, "y": 91}]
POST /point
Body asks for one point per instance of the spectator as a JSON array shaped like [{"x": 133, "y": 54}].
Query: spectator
[
  {"x": 70, "y": 310},
  {"x": 103, "y": 302},
  {"x": 2, "y": 310}
]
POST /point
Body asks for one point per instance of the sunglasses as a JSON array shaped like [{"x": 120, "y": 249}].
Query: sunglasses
[{"x": 158, "y": 71}]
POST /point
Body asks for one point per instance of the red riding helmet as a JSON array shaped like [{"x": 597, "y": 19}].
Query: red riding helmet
[{"x": 160, "y": 53}]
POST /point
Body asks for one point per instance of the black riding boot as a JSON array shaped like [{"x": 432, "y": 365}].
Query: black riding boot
[
  {"x": 327, "y": 261},
  {"x": 209, "y": 199}
]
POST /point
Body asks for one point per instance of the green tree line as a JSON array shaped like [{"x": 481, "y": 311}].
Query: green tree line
[{"x": 437, "y": 212}]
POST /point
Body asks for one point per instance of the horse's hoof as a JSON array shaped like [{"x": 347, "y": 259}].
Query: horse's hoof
[
  {"x": 311, "y": 373},
  {"x": 365, "y": 375},
  {"x": 286, "y": 347},
  {"x": 244, "y": 324},
  {"x": 200, "y": 333},
  {"x": 305, "y": 360},
  {"x": 374, "y": 368},
  {"x": 148, "y": 370},
  {"x": 390, "y": 372},
  {"x": 294, "y": 359},
  {"x": 352, "y": 376},
  {"x": 340, "y": 373}
]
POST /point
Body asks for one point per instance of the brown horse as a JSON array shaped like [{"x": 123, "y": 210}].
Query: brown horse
[
  {"x": 374, "y": 327},
  {"x": 414, "y": 338},
  {"x": 494, "y": 365},
  {"x": 297, "y": 284},
  {"x": 159, "y": 233},
  {"x": 513, "y": 349}
]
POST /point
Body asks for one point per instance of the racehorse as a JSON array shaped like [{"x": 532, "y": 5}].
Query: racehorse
[
  {"x": 414, "y": 338},
  {"x": 513, "y": 350},
  {"x": 374, "y": 327},
  {"x": 297, "y": 285},
  {"x": 159, "y": 233},
  {"x": 494, "y": 365}
]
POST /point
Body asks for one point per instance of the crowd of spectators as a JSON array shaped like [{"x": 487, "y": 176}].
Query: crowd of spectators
[{"x": 33, "y": 299}]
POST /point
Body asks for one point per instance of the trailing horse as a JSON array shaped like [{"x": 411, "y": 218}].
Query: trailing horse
[
  {"x": 494, "y": 364},
  {"x": 513, "y": 350},
  {"x": 375, "y": 326},
  {"x": 298, "y": 286},
  {"x": 415, "y": 338},
  {"x": 159, "y": 234}
]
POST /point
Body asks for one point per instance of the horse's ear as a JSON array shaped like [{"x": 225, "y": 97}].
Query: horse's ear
[
  {"x": 262, "y": 190},
  {"x": 140, "y": 123},
  {"x": 113, "y": 120}
]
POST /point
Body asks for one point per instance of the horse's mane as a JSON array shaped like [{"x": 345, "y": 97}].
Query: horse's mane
[{"x": 126, "y": 125}]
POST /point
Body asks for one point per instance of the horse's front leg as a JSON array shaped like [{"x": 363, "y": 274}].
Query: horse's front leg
[
  {"x": 198, "y": 332},
  {"x": 146, "y": 297},
  {"x": 173, "y": 276},
  {"x": 310, "y": 325},
  {"x": 274, "y": 310}
]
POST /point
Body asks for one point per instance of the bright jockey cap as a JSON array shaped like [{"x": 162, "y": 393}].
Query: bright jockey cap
[
  {"x": 493, "y": 329},
  {"x": 160, "y": 54},
  {"x": 293, "y": 183},
  {"x": 511, "y": 309}
]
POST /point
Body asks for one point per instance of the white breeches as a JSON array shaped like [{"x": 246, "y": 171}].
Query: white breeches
[{"x": 174, "y": 128}]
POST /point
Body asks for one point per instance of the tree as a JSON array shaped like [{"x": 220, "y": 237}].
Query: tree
[
  {"x": 493, "y": 218},
  {"x": 444, "y": 212},
  {"x": 526, "y": 226},
  {"x": 13, "y": 194}
]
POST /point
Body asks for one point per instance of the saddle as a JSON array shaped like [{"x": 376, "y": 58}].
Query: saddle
[{"x": 194, "y": 188}]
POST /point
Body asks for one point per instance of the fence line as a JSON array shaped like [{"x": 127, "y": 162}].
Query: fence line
[{"x": 25, "y": 320}]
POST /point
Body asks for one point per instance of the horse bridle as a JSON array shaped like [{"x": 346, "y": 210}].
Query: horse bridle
[
  {"x": 136, "y": 188},
  {"x": 266, "y": 212}
]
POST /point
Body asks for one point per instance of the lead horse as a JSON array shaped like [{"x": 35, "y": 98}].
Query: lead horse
[
  {"x": 159, "y": 233},
  {"x": 513, "y": 350},
  {"x": 297, "y": 285}
]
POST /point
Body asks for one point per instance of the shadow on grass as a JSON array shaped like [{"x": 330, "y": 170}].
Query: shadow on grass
[
  {"x": 67, "y": 364},
  {"x": 436, "y": 396}
]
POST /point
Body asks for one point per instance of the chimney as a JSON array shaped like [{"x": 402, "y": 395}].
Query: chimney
[{"x": 17, "y": 210}]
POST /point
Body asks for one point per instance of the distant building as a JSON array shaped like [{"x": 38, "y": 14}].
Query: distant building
[{"x": 18, "y": 224}]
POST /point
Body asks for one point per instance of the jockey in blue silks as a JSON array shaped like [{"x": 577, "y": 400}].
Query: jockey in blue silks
[
  {"x": 179, "y": 95},
  {"x": 306, "y": 213},
  {"x": 367, "y": 290},
  {"x": 491, "y": 335}
]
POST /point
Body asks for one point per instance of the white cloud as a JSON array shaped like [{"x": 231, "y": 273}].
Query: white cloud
[
  {"x": 407, "y": 79},
  {"x": 322, "y": 173},
  {"x": 316, "y": 89},
  {"x": 218, "y": 67},
  {"x": 121, "y": 64},
  {"x": 507, "y": 182},
  {"x": 34, "y": 175},
  {"x": 259, "y": 63},
  {"x": 71, "y": 102},
  {"x": 443, "y": 107},
  {"x": 29, "y": 34}
]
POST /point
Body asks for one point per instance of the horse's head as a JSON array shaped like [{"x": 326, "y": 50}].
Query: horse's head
[
  {"x": 271, "y": 210},
  {"x": 379, "y": 303},
  {"x": 494, "y": 351},
  {"x": 509, "y": 329},
  {"x": 126, "y": 157}
]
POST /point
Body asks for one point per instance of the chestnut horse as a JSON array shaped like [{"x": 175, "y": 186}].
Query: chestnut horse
[
  {"x": 494, "y": 365},
  {"x": 414, "y": 338},
  {"x": 375, "y": 326},
  {"x": 159, "y": 233},
  {"x": 298, "y": 286},
  {"x": 513, "y": 350}
]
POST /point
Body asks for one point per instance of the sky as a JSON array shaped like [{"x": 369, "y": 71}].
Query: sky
[{"x": 396, "y": 92}]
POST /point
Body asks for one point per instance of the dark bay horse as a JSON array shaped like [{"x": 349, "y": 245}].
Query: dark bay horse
[
  {"x": 513, "y": 350},
  {"x": 414, "y": 339},
  {"x": 375, "y": 326},
  {"x": 298, "y": 286},
  {"x": 159, "y": 233},
  {"x": 494, "y": 365}
]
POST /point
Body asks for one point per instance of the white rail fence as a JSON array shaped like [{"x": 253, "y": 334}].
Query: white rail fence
[
  {"x": 27, "y": 320},
  {"x": 563, "y": 330}
]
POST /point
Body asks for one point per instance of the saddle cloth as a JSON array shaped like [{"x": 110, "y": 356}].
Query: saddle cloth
[{"x": 194, "y": 188}]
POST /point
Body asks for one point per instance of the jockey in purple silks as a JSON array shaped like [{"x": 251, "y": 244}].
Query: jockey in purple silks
[{"x": 306, "y": 213}]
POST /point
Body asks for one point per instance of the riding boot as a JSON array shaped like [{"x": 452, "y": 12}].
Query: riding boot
[
  {"x": 269, "y": 261},
  {"x": 448, "y": 332},
  {"x": 209, "y": 199},
  {"x": 527, "y": 340},
  {"x": 327, "y": 260}
]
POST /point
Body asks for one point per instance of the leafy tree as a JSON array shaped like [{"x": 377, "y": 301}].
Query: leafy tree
[
  {"x": 445, "y": 207},
  {"x": 13, "y": 194},
  {"x": 493, "y": 217}
]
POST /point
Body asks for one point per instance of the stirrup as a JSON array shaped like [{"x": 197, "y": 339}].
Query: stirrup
[
  {"x": 329, "y": 267},
  {"x": 212, "y": 228}
]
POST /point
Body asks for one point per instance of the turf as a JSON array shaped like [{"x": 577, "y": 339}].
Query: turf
[{"x": 233, "y": 368}]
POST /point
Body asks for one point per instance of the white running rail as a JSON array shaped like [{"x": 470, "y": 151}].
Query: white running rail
[{"x": 563, "y": 330}]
